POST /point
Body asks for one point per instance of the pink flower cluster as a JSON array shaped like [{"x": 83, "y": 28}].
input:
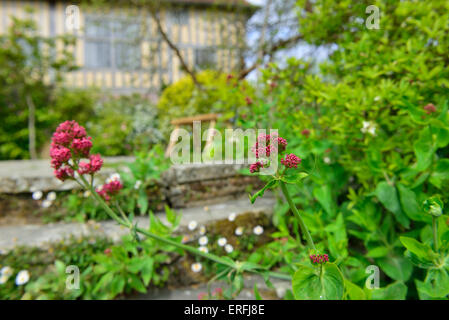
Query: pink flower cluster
[
  {"x": 70, "y": 142},
  {"x": 430, "y": 108},
  {"x": 291, "y": 161},
  {"x": 266, "y": 144},
  {"x": 109, "y": 189},
  {"x": 92, "y": 166},
  {"x": 255, "y": 167},
  {"x": 319, "y": 258}
]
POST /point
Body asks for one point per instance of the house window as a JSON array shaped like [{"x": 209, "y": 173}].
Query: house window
[
  {"x": 112, "y": 43},
  {"x": 179, "y": 16},
  {"x": 205, "y": 58}
]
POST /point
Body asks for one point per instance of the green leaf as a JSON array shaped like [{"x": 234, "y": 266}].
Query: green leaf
[
  {"x": 256, "y": 292},
  {"x": 420, "y": 254},
  {"x": 309, "y": 284},
  {"x": 394, "y": 291},
  {"x": 424, "y": 149},
  {"x": 324, "y": 196},
  {"x": 397, "y": 268},
  {"x": 294, "y": 178},
  {"x": 378, "y": 252},
  {"x": 436, "y": 284},
  {"x": 353, "y": 291},
  {"x": 143, "y": 201},
  {"x": 387, "y": 195},
  {"x": 440, "y": 174},
  {"x": 410, "y": 204},
  {"x": 270, "y": 184}
]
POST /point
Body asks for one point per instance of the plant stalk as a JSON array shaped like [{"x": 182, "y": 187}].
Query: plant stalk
[
  {"x": 185, "y": 247},
  {"x": 303, "y": 226},
  {"x": 435, "y": 233}
]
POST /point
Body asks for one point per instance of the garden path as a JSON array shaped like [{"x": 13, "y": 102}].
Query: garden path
[{"x": 40, "y": 235}]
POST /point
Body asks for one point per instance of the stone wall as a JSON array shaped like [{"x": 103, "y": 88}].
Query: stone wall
[{"x": 180, "y": 186}]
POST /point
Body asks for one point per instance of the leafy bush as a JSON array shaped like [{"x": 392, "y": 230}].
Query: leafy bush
[
  {"x": 124, "y": 125},
  {"x": 372, "y": 127},
  {"x": 218, "y": 93}
]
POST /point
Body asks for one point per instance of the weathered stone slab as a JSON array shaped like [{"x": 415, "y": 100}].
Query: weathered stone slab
[
  {"x": 39, "y": 235},
  {"x": 32, "y": 175}
]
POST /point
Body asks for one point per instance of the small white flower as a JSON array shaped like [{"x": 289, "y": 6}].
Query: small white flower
[
  {"x": 222, "y": 242},
  {"x": 258, "y": 230},
  {"x": 86, "y": 194},
  {"x": 368, "y": 127},
  {"x": 22, "y": 277},
  {"x": 327, "y": 160},
  {"x": 115, "y": 177},
  {"x": 6, "y": 271},
  {"x": 203, "y": 240},
  {"x": 196, "y": 267},
  {"x": 3, "y": 279},
  {"x": 51, "y": 196},
  {"x": 137, "y": 184},
  {"x": 37, "y": 195},
  {"x": 202, "y": 230},
  {"x": 46, "y": 203},
  {"x": 377, "y": 98},
  {"x": 192, "y": 225},
  {"x": 238, "y": 231},
  {"x": 229, "y": 248},
  {"x": 232, "y": 216},
  {"x": 203, "y": 249}
]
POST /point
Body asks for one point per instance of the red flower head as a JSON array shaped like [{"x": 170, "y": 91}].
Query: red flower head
[
  {"x": 202, "y": 296},
  {"x": 266, "y": 144},
  {"x": 255, "y": 167},
  {"x": 291, "y": 161},
  {"x": 305, "y": 132},
  {"x": 319, "y": 258},
  {"x": 110, "y": 189},
  {"x": 430, "y": 108},
  {"x": 249, "y": 101},
  {"x": 107, "y": 251},
  {"x": 64, "y": 173},
  {"x": 91, "y": 167}
]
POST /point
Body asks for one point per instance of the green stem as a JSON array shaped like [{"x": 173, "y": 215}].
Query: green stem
[
  {"x": 151, "y": 235},
  {"x": 435, "y": 233},
  {"x": 303, "y": 226}
]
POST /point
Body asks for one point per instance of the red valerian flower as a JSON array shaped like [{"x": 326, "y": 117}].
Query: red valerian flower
[
  {"x": 59, "y": 155},
  {"x": 64, "y": 173},
  {"x": 305, "y": 132},
  {"x": 430, "y": 108},
  {"x": 319, "y": 258},
  {"x": 91, "y": 167},
  {"x": 81, "y": 146},
  {"x": 266, "y": 144},
  {"x": 109, "y": 189},
  {"x": 291, "y": 161},
  {"x": 255, "y": 167}
]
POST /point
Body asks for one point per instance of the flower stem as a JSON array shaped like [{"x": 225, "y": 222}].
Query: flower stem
[
  {"x": 159, "y": 238},
  {"x": 435, "y": 233},
  {"x": 303, "y": 226}
]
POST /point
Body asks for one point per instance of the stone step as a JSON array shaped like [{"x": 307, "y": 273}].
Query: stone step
[
  {"x": 192, "y": 292},
  {"x": 40, "y": 235}
]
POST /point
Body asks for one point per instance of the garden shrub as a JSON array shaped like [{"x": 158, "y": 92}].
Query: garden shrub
[
  {"x": 372, "y": 126},
  {"x": 219, "y": 93}
]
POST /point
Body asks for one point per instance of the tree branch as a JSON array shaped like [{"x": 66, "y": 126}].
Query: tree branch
[
  {"x": 173, "y": 47},
  {"x": 281, "y": 44}
]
